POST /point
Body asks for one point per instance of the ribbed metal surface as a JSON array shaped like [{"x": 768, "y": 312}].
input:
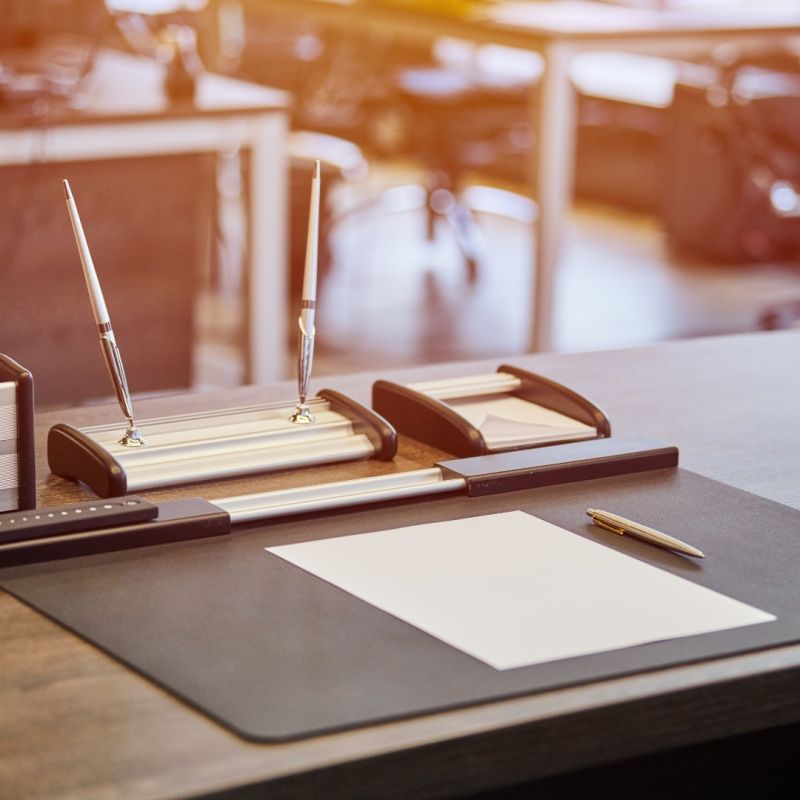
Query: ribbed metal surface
[
  {"x": 196, "y": 447},
  {"x": 340, "y": 494},
  {"x": 9, "y": 499},
  {"x": 8, "y": 411},
  {"x": 9, "y": 471},
  {"x": 9, "y": 461}
]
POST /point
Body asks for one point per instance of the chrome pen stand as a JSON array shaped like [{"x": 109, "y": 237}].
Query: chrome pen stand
[
  {"x": 228, "y": 443},
  {"x": 115, "y": 460}
]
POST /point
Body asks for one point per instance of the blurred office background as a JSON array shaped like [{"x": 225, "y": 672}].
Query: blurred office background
[{"x": 685, "y": 220}]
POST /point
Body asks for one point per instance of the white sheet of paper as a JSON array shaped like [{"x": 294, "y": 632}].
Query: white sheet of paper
[
  {"x": 513, "y": 590},
  {"x": 505, "y": 419}
]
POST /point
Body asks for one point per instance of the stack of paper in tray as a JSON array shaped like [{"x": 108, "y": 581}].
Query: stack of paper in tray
[{"x": 508, "y": 421}]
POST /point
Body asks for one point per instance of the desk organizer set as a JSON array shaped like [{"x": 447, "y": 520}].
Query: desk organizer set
[
  {"x": 509, "y": 430},
  {"x": 553, "y": 448},
  {"x": 512, "y": 429}
]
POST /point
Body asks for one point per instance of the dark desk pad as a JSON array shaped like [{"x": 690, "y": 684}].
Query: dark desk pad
[{"x": 274, "y": 653}]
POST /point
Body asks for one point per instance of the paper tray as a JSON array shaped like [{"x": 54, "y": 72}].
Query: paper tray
[{"x": 429, "y": 412}]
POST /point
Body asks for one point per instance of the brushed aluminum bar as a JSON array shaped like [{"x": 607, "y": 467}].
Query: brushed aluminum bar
[
  {"x": 339, "y": 494},
  {"x": 232, "y": 440},
  {"x": 9, "y": 461},
  {"x": 203, "y": 420},
  {"x": 246, "y": 462},
  {"x": 452, "y": 388}
]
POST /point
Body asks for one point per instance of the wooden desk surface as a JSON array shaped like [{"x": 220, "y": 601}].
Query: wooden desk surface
[{"x": 77, "y": 724}]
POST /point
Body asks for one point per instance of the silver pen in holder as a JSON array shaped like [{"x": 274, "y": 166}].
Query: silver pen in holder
[
  {"x": 302, "y": 414},
  {"x": 132, "y": 437}
]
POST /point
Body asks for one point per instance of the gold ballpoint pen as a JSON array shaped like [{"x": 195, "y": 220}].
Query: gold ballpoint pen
[
  {"x": 616, "y": 524},
  {"x": 302, "y": 414},
  {"x": 132, "y": 437}
]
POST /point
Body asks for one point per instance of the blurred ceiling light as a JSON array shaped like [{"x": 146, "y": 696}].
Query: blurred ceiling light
[
  {"x": 154, "y": 6},
  {"x": 784, "y": 199}
]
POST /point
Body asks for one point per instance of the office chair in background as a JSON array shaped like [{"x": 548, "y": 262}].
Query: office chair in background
[
  {"x": 459, "y": 123},
  {"x": 395, "y": 99}
]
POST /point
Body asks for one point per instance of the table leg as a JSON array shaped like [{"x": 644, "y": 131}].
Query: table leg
[
  {"x": 554, "y": 160},
  {"x": 268, "y": 263}
]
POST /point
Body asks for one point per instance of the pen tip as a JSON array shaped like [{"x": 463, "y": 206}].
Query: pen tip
[
  {"x": 67, "y": 190},
  {"x": 316, "y": 168},
  {"x": 589, "y": 512}
]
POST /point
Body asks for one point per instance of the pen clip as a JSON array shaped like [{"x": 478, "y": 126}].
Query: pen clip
[{"x": 606, "y": 526}]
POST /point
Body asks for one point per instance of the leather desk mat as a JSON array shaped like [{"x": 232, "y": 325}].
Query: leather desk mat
[{"x": 275, "y": 653}]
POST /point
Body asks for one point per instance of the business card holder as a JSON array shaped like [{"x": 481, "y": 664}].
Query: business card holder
[
  {"x": 510, "y": 409},
  {"x": 17, "y": 447},
  {"x": 228, "y": 443}
]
